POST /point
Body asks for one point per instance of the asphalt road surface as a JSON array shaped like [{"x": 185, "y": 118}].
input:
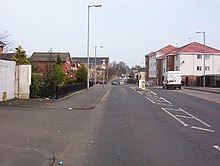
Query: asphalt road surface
[
  {"x": 128, "y": 127},
  {"x": 148, "y": 128}
]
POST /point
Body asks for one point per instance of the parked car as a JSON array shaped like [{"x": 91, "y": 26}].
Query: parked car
[
  {"x": 114, "y": 83},
  {"x": 121, "y": 82}
]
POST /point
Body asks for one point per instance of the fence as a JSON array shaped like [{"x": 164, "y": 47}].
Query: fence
[
  {"x": 66, "y": 90},
  {"x": 58, "y": 92}
]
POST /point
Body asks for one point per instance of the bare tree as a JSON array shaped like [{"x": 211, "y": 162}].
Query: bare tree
[
  {"x": 118, "y": 69},
  {"x": 4, "y": 37}
]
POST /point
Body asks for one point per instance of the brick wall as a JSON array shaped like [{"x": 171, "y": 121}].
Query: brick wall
[
  {"x": 159, "y": 71},
  {"x": 1, "y": 50},
  {"x": 41, "y": 66},
  {"x": 170, "y": 63},
  {"x": 147, "y": 67}
]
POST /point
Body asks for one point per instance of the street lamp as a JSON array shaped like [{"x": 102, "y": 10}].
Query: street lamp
[
  {"x": 95, "y": 62},
  {"x": 88, "y": 44},
  {"x": 203, "y": 59}
]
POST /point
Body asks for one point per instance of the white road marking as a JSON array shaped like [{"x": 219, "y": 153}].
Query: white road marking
[
  {"x": 217, "y": 147},
  {"x": 195, "y": 118},
  {"x": 139, "y": 93},
  {"x": 173, "y": 109},
  {"x": 166, "y": 100},
  {"x": 184, "y": 124},
  {"x": 203, "y": 129},
  {"x": 153, "y": 93},
  {"x": 165, "y": 104},
  {"x": 181, "y": 116},
  {"x": 151, "y": 96},
  {"x": 150, "y": 100}
]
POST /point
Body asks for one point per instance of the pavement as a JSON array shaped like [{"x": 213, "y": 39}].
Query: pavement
[
  {"x": 204, "y": 89},
  {"x": 85, "y": 99}
]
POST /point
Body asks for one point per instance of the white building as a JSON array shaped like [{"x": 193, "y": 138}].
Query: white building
[
  {"x": 152, "y": 64},
  {"x": 189, "y": 59}
]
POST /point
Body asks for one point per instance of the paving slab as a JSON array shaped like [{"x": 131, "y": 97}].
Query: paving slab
[{"x": 85, "y": 99}]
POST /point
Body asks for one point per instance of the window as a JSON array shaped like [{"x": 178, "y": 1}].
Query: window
[
  {"x": 199, "y": 56},
  {"x": 207, "y": 68},
  {"x": 207, "y": 57},
  {"x": 199, "y": 68},
  {"x": 176, "y": 68},
  {"x": 176, "y": 57}
]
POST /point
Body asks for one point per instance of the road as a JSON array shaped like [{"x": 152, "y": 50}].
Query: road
[
  {"x": 127, "y": 127},
  {"x": 148, "y": 128}
]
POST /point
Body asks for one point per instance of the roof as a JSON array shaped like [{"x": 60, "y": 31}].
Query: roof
[
  {"x": 162, "y": 51},
  {"x": 166, "y": 49},
  {"x": 195, "y": 47},
  {"x": 83, "y": 60},
  {"x": 7, "y": 56},
  {"x": 151, "y": 54},
  {"x": 46, "y": 56}
]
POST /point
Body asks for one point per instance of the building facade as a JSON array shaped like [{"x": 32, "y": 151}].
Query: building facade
[
  {"x": 41, "y": 59},
  {"x": 188, "y": 59},
  {"x": 154, "y": 64},
  {"x": 96, "y": 66}
]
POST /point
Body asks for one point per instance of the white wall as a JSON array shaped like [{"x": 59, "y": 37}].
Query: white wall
[
  {"x": 23, "y": 81},
  {"x": 7, "y": 79},
  {"x": 152, "y": 66},
  {"x": 216, "y": 64},
  {"x": 189, "y": 67},
  {"x": 164, "y": 69}
]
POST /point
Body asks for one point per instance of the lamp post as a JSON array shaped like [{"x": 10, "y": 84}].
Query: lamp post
[
  {"x": 95, "y": 62},
  {"x": 203, "y": 59},
  {"x": 89, "y": 6}
]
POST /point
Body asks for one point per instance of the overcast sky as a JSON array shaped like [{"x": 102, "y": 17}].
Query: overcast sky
[{"x": 127, "y": 29}]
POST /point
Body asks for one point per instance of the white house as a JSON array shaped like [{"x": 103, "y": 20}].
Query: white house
[
  {"x": 189, "y": 59},
  {"x": 152, "y": 64}
]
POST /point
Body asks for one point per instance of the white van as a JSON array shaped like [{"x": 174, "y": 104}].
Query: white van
[{"x": 172, "y": 79}]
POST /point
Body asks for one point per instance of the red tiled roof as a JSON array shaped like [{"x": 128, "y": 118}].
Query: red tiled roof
[
  {"x": 166, "y": 49},
  {"x": 151, "y": 54},
  {"x": 195, "y": 47}
]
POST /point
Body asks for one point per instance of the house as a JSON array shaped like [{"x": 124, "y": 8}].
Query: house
[
  {"x": 189, "y": 60},
  {"x": 5, "y": 56},
  {"x": 95, "y": 65},
  {"x": 1, "y": 47},
  {"x": 41, "y": 59},
  {"x": 153, "y": 64}
]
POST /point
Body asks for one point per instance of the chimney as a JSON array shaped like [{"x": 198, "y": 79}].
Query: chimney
[{"x": 1, "y": 47}]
